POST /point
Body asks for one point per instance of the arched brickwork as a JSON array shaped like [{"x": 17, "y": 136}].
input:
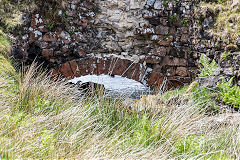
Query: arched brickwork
[{"x": 115, "y": 66}]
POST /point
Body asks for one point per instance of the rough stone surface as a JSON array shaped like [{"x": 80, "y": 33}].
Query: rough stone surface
[
  {"x": 208, "y": 82},
  {"x": 163, "y": 36}
]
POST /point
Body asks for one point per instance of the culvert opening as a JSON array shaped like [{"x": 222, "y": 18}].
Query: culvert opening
[{"x": 115, "y": 86}]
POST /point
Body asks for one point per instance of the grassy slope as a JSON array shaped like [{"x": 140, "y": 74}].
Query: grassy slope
[{"x": 43, "y": 119}]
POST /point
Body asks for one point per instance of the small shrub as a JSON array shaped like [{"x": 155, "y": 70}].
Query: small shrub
[
  {"x": 185, "y": 22},
  {"x": 208, "y": 68},
  {"x": 230, "y": 94},
  {"x": 173, "y": 19}
]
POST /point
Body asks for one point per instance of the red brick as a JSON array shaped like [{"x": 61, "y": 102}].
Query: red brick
[
  {"x": 129, "y": 72},
  {"x": 106, "y": 67},
  {"x": 83, "y": 67},
  {"x": 174, "y": 83},
  {"x": 100, "y": 65},
  {"x": 66, "y": 70},
  {"x": 75, "y": 68},
  {"x": 92, "y": 66},
  {"x": 158, "y": 84},
  {"x": 152, "y": 78},
  {"x": 121, "y": 66},
  {"x": 136, "y": 72}
]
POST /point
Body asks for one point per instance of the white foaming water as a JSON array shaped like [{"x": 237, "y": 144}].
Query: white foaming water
[{"x": 116, "y": 84}]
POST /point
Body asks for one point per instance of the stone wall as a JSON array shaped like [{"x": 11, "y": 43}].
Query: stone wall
[
  {"x": 223, "y": 47},
  {"x": 161, "y": 35}
]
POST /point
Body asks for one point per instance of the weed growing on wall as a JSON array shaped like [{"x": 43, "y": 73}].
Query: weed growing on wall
[
  {"x": 207, "y": 68},
  {"x": 230, "y": 94}
]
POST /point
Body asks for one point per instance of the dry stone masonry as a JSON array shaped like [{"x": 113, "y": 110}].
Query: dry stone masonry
[{"x": 146, "y": 40}]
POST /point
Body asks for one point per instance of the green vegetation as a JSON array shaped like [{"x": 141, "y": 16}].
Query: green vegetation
[
  {"x": 4, "y": 44},
  {"x": 230, "y": 94},
  {"x": 225, "y": 55},
  {"x": 11, "y": 13},
  {"x": 207, "y": 68},
  {"x": 185, "y": 22},
  {"x": 165, "y": 36},
  {"x": 165, "y": 4},
  {"x": 173, "y": 19},
  {"x": 226, "y": 19}
]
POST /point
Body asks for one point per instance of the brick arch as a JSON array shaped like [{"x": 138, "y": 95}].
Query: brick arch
[{"x": 114, "y": 66}]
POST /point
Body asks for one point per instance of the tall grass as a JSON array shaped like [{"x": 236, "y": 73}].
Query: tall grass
[{"x": 45, "y": 119}]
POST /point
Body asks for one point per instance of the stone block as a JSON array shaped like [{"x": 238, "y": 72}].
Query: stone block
[
  {"x": 47, "y": 53},
  {"x": 154, "y": 21},
  {"x": 184, "y": 38},
  {"x": 121, "y": 66},
  {"x": 49, "y": 37},
  {"x": 171, "y": 72},
  {"x": 165, "y": 41},
  {"x": 160, "y": 51},
  {"x": 160, "y": 29},
  {"x": 182, "y": 71},
  {"x": 88, "y": 5},
  {"x": 75, "y": 68},
  {"x": 83, "y": 66},
  {"x": 171, "y": 61},
  {"x": 66, "y": 70}
]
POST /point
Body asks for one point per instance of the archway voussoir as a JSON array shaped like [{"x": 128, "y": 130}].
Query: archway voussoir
[
  {"x": 75, "y": 69},
  {"x": 106, "y": 66},
  {"x": 99, "y": 65},
  {"x": 136, "y": 72},
  {"x": 151, "y": 78},
  {"x": 92, "y": 65},
  {"x": 120, "y": 67},
  {"x": 83, "y": 67},
  {"x": 66, "y": 70}
]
